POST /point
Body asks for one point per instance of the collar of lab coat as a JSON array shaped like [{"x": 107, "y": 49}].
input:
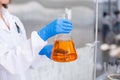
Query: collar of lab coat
[{"x": 8, "y": 19}]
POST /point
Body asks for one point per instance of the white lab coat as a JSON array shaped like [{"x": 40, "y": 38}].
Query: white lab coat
[{"x": 17, "y": 54}]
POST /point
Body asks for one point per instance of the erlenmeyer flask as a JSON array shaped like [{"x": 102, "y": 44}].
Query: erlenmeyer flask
[{"x": 64, "y": 49}]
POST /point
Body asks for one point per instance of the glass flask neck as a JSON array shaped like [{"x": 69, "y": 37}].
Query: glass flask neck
[
  {"x": 63, "y": 37},
  {"x": 68, "y": 14}
]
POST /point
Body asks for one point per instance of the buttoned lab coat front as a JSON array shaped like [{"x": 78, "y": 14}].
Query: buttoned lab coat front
[{"x": 17, "y": 54}]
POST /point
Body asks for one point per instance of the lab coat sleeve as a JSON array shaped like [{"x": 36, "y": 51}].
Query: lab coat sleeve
[
  {"x": 19, "y": 59},
  {"x": 36, "y": 44}
]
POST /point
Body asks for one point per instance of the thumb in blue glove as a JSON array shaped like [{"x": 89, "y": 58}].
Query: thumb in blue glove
[
  {"x": 56, "y": 27},
  {"x": 47, "y": 50}
]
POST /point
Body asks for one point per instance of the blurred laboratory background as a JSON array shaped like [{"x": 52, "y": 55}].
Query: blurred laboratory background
[
  {"x": 35, "y": 14},
  {"x": 108, "y": 60}
]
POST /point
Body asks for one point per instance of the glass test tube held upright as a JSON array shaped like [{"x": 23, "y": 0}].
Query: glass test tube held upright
[{"x": 64, "y": 49}]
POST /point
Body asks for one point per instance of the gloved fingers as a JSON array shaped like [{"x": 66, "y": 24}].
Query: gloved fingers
[
  {"x": 67, "y": 25},
  {"x": 46, "y": 50},
  {"x": 49, "y": 50},
  {"x": 67, "y": 21},
  {"x": 66, "y": 30}
]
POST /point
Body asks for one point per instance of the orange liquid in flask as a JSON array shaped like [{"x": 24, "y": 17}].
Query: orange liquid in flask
[{"x": 64, "y": 51}]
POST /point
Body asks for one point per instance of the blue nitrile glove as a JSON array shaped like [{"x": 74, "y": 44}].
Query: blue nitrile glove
[
  {"x": 56, "y": 27},
  {"x": 47, "y": 50}
]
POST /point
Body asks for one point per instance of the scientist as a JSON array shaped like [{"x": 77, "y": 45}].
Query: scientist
[
  {"x": 116, "y": 25},
  {"x": 17, "y": 54},
  {"x": 106, "y": 25}
]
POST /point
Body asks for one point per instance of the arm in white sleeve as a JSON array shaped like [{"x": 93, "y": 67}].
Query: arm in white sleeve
[
  {"x": 21, "y": 57},
  {"x": 36, "y": 44}
]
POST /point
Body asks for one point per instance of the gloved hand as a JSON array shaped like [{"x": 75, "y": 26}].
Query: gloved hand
[
  {"x": 47, "y": 50},
  {"x": 56, "y": 27}
]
